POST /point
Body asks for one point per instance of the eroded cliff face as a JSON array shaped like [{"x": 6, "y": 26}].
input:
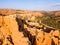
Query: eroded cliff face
[
  {"x": 39, "y": 34},
  {"x": 18, "y": 31},
  {"x": 9, "y": 33},
  {"x": 42, "y": 36},
  {"x": 52, "y": 38}
]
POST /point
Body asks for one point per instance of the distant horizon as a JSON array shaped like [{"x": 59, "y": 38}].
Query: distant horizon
[
  {"x": 29, "y": 10},
  {"x": 38, "y": 5}
]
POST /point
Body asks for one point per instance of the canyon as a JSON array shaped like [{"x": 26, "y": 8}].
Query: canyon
[{"x": 16, "y": 29}]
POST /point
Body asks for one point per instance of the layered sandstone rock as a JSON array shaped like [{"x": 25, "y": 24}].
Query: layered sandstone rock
[
  {"x": 19, "y": 32},
  {"x": 42, "y": 37},
  {"x": 9, "y": 34},
  {"x": 51, "y": 38}
]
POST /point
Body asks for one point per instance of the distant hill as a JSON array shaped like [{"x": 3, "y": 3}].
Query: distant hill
[{"x": 27, "y": 12}]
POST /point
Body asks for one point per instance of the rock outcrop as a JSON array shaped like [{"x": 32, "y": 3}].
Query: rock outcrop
[
  {"x": 42, "y": 37},
  {"x": 23, "y": 29},
  {"x": 9, "y": 33}
]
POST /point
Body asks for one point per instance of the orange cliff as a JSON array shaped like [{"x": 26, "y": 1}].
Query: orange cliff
[{"x": 9, "y": 33}]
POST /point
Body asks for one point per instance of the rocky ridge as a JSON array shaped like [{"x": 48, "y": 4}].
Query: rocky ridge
[
  {"x": 9, "y": 33},
  {"x": 15, "y": 30},
  {"x": 39, "y": 34}
]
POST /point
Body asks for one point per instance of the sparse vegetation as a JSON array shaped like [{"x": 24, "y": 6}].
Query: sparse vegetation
[{"x": 51, "y": 20}]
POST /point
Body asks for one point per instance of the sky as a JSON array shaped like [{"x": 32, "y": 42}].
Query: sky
[{"x": 31, "y": 4}]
